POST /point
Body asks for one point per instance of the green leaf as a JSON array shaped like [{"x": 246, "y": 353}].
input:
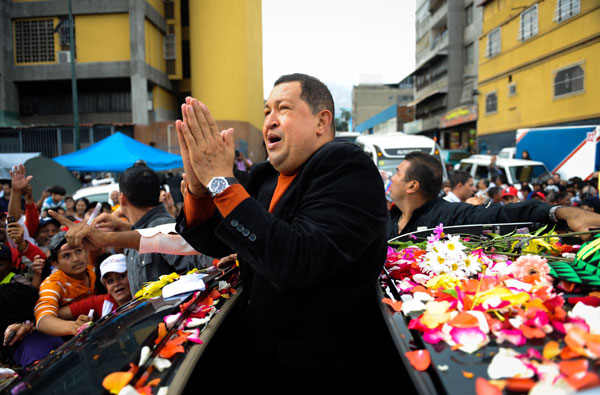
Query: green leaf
[{"x": 450, "y": 292}]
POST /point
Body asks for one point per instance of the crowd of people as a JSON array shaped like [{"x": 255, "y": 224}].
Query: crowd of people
[
  {"x": 309, "y": 228},
  {"x": 73, "y": 286},
  {"x": 460, "y": 187}
]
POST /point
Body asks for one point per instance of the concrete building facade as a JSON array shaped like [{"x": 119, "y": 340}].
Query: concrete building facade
[
  {"x": 369, "y": 100},
  {"x": 446, "y": 71},
  {"x": 135, "y": 62},
  {"x": 539, "y": 65}
]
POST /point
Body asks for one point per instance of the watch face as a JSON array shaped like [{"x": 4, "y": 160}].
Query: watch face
[{"x": 217, "y": 185}]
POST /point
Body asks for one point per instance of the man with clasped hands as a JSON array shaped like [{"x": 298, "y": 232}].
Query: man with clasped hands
[{"x": 309, "y": 229}]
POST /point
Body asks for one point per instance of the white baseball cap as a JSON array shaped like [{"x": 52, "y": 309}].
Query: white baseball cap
[{"x": 114, "y": 263}]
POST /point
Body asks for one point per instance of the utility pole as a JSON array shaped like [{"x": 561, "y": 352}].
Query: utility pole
[{"x": 73, "y": 80}]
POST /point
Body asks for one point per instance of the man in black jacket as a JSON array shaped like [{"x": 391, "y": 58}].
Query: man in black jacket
[
  {"x": 418, "y": 181},
  {"x": 309, "y": 230}
]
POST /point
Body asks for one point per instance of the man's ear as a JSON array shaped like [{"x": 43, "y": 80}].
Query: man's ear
[
  {"x": 123, "y": 199},
  {"x": 413, "y": 186},
  {"x": 324, "y": 120}
]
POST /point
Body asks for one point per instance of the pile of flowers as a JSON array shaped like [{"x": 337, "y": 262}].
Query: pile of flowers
[
  {"x": 173, "y": 334},
  {"x": 466, "y": 293}
]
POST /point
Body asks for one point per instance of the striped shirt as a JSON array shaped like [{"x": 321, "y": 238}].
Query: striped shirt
[{"x": 59, "y": 290}]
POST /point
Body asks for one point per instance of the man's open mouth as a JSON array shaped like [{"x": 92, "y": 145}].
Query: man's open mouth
[{"x": 273, "y": 138}]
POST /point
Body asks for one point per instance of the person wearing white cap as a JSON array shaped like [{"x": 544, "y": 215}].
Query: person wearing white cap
[{"x": 113, "y": 274}]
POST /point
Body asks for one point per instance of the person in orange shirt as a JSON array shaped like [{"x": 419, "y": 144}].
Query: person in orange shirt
[{"x": 73, "y": 280}]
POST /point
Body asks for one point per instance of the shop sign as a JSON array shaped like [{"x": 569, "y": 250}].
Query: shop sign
[{"x": 459, "y": 115}]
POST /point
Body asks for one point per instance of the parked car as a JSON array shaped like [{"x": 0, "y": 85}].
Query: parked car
[
  {"x": 98, "y": 193},
  {"x": 516, "y": 171}
]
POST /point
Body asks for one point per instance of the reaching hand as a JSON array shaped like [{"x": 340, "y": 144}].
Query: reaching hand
[
  {"x": 38, "y": 265},
  {"x": 19, "y": 180},
  {"x": 80, "y": 235},
  {"x": 579, "y": 220},
  {"x": 110, "y": 223},
  {"x": 16, "y": 332},
  {"x": 16, "y": 232},
  {"x": 82, "y": 321}
]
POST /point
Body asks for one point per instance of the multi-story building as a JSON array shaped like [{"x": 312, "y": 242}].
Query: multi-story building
[
  {"x": 539, "y": 65},
  {"x": 379, "y": 107},
  {"x": 446, "y": 71},
  {"x": 135, "y": 62}
]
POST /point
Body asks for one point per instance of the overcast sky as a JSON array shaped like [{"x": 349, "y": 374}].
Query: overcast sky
[{"x": 341, "y": 42}]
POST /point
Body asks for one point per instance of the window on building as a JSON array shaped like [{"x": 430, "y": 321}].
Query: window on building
[
  {"x": 63, "y": 28},
  {"x": 493, "y": 43},
  {"x": 169, "y": 9},
  {"x": 568, "y": 80},
  {"x": 34, "y": 40},
  {"x": 170, "y": 49},
  {"x": 566, "y": 9},
  {"x": 529, "y": 23},
  {"x": 512, "y": 89},
  {"x": 491, "y": 103},
  {"x": 470, "y": 54},
  {"x": 469, "y": 15}
]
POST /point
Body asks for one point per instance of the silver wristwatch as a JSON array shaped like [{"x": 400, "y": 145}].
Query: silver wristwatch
[
  {"x": 218, "y": 184},
  {"x": 552, "y": 213}
]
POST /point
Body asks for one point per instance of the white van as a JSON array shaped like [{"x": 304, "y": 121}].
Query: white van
[
  {"x": 516, "y": 171},
  {"x": 389, "y": 150}
]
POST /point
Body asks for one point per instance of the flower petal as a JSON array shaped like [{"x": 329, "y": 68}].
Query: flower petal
[
  {"x": 396, "y": 305},
  {"x": 419, "y": 359},
  {"x": 571, "y": 368},
  {"x": 484, "y": 387},
  {"x": 115, "y": 381}
]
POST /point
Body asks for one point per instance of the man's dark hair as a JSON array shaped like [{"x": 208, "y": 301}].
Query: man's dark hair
[
  {"x": 493, "y": 191},
  {"x": 314, "y": 93},
  {"x": 141, "y": 186},
  {"x": 458, "y": 177},
  {"x": 486, "y": 182},
  {"x": 427, "y": 170},
  {"x": 58, "y": 190}
]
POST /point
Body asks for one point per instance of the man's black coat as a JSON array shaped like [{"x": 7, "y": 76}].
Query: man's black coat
[{"x": 309, "y": 270}]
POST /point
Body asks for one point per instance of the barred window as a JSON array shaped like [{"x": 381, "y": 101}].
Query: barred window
[
  {"x": 529, "y": 23},
  {"x": 491, "y": 103},
  {"x": 569, "y": 80},
  {"x": 493, "y": 43},
  {"x": 34, "y": 40},
  {"x": 566, "y": 9}
]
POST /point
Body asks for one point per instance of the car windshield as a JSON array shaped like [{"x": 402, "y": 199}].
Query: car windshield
[{"x": 529, "y": 173}]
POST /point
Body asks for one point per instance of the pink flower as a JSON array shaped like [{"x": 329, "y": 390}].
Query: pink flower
[
  {"x": 527, "y": 265},
  {"x": 439, "y": 231}
]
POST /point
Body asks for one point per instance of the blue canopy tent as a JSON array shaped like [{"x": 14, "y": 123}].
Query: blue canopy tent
[{"x": 117, "y": 153}]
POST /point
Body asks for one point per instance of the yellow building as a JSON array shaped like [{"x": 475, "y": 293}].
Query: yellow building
[
  {"x": 135, "y": 62},
  {"x": 539, "y": 65}
]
